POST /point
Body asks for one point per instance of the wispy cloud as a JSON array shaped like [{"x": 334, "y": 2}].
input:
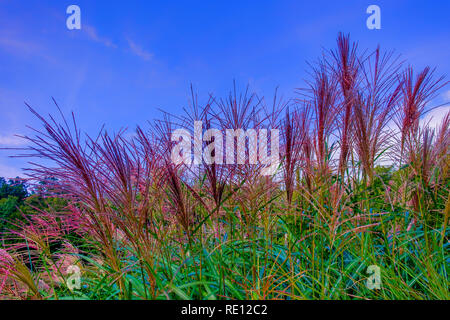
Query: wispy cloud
[
  {"x": 435, "y": 116},
  {"x": 92, "y": 33},
  {"x": 21, "y": 46},
  {"x": 11, "y": 141},
  {"x": 139, "y": 51},
  {"x": 17, "y": 46}
]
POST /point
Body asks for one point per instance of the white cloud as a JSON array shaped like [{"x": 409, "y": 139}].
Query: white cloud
[
  {"x": 139, "y": 51},
  {"x": 435, "y": 116},
  {"x": 11, "y": 141},
  {"x": 9, "y": 172}
]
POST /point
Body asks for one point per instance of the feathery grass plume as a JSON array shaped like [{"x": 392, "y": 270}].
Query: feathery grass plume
[
  {"x": 96, "y": 174},
  {"x": 374, "y": 106},
  {"x": 295, "y": 128},
  {"x": 441, "y": 149},
  {"x": 183, "y": 201},
  {"x": 346, "y": 69},
  {"x": 320, "y": 97},
  {"x": 214, "y": 174},
  {"x": 324, "y": 99},
  {"x": 416, "y": 94},
  {"x": 415, "y": 142},
  {"x": 239, "y": 112}
]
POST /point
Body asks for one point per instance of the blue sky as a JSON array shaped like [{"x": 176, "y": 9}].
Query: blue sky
[{"x": 131, "y": 58}]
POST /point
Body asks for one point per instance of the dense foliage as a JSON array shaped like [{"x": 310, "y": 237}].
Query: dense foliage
[{"x": 12, "y": 195}]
